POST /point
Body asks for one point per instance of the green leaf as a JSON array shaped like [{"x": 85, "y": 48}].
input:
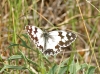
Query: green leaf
[
  {"x": 53, "y": 70},
  {"x": 24, "y": 43},
  {"x": 78, "y": 66},
  {"x": 72, "y": 68},
  {"x": 85, "y": 65},
  {"x": 34, "y": 63},
  {"x": 13, "y": 44},
  {"x": 91, "y": 70},
  {"x": 12, "y": 67},
  {"x": 63, "y": 70},
  {"x": 15, "y": 57}
]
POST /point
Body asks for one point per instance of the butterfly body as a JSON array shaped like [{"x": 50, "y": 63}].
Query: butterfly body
[
  {"x": 50, "y": 43},
  {"x": 45, "y": 37}
]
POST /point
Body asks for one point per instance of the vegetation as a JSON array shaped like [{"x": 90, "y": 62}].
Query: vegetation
[{"x": 18, "y": 54}]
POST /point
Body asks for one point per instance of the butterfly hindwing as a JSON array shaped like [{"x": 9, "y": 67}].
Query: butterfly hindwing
[{"x": 58, "y": 40}]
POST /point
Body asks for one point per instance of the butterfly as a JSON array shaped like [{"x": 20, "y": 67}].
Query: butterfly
[{"x": 50, "y": 43}]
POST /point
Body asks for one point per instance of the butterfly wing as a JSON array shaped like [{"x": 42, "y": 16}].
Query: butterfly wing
[
  {"x": 55, "y": 41},
  {"x": 35, "y": 35},
  {"x": 58, "y": 40}
]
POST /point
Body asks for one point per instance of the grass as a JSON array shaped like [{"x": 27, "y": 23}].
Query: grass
[{"x": 19, "y": 54}]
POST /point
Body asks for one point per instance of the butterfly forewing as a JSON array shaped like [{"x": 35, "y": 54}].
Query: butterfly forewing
[
  {"x": 50, "y": 42},
  {"x": 35, "y": 35}
]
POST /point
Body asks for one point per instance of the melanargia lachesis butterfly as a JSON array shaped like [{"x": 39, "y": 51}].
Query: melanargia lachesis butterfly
[{"x": 50, "y": 43}]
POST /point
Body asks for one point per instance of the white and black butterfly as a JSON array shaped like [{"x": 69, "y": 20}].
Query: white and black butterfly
[{"x": 50, "y": 43}]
